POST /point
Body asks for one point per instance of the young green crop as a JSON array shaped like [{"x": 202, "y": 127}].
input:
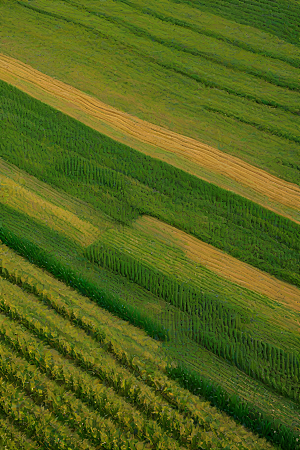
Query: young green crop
[{"x": 213, "y": 215}]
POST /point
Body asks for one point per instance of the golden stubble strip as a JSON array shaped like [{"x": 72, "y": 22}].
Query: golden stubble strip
[
  {"x": 20, "y": 198},
  {"x": 223, "y": 264},
  {"x": 260, "y": 181}
]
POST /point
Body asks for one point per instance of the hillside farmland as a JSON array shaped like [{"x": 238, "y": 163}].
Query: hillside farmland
[{"x": 149, "y": 225}]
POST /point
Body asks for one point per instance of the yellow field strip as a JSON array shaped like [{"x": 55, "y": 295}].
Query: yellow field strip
[
  {"x": 202, "y": 155},
  {"x": 222, "y": 264},
  {"x": 27, "y": 195}
]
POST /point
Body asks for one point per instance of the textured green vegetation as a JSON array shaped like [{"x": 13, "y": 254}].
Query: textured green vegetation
[
  {"x": 60, "y": 268},
  {"x": 213, "y": 85},
  {"x": 125, "y": 184},
  {"x": 65, "y": 385},
  {"x": 68, "y": 379},
  {"x": 212, "y": 323},
  {"x": 277, "y": 17},
  {"x": 102, "y": 366},
  {"x": 51, "y": 334}
]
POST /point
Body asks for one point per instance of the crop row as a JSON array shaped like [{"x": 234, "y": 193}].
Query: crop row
[
  {"x": 96, "y": 396},
  {"x": 219, "y": 217},
  {"x": 104, "y": 368},
  {"x": 213, "y": 325},
  {"x": 130, "y": 361},
  {"x": 62, "y": 371},
  {"x": 89, "y": 425},
  {"x": 37, "y": 422},
  {"x": 160, "y": 385},
  {"x": 104, "y": 299},
  {"x": 13, "y": 439},
  {"x": 78, "y": 309}
]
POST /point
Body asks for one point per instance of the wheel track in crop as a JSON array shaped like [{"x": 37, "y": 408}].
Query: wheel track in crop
[{"x": 280, "y": 191}]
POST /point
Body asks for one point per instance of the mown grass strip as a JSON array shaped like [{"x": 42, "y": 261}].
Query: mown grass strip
[
  {"x": 177, "y": 45},
  {"x": 262, "y": 15},
  {"x": 221, "y": 218},
  {"x": 248, "y": 46},
  {"x": 240, "y": 85}
]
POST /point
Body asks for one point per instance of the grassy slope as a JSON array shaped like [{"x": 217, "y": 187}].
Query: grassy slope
[
  {"x": 262, "y": 308},
  {"x": 183, "y": 108},
  {"x": 280, "y": 18}
]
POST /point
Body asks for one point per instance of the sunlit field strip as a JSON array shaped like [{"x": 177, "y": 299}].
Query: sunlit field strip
[
  {"x": 187, "y": 41},
  {"x": 171, "y": 259},
  {"x": 141, "y": 366},
  {"x": 8, "y": 337},
  {"x": 241, "y": 36},
  {"x": 254, "y": 13},
  {"x": 38, "y": 422},
  {"x": 75, "y": 206},
  {"x": 22, "y": 199},
  {"x": 69, "y": 384},
  {"x": 101, "y": 363},
  {"x": 44, "y": 392},
  {"x": 183, "y": 148},
  {"x": 219, "y": 263},
  {"x": 229, "y": 134},
  {"x": 276, "y": 256},
  {"x": 133, "y": 339},
  {"x": 207, "y": 73}
]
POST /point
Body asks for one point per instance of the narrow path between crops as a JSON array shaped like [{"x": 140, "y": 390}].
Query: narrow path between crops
[
  {"x": 203, "y": 155},
  {"x": 223, "y": 264}
]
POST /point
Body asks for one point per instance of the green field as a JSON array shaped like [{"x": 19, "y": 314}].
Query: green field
[
  {"x": 113, "y": 334},
  {"x": 195, "y": 75},
  {"x": 37, "y": 324},
  {"x": 125, "y": 184},
  {"x": 61, "y": 226}
]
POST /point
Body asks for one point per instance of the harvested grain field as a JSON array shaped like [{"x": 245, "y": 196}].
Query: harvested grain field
[
  {"x": 221, "y": 263},
  {"x": 256, "y": 180}
]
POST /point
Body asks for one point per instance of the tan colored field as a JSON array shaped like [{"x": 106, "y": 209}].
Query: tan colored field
[
  {"x": 222, "y": 264},
  {"x": 25, "y": 194},
  {"x": 275, "y": 194}
]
